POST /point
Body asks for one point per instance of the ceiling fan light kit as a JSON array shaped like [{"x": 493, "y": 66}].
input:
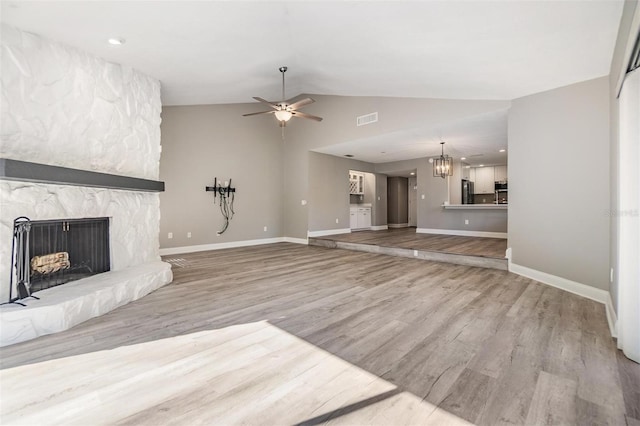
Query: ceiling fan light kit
[
  {"x": 284, "y": 109},
  {"x": 443, "y": 165}
]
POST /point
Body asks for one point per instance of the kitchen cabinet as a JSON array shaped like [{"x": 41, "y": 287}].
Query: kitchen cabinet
[
  {"x": 360, "y": 217},
  {"x": 356, "y": 183},
  {"x": 485, "y": 180},
  {"x": 500, "y": 173},
  {"x": 353, "y": 218}
]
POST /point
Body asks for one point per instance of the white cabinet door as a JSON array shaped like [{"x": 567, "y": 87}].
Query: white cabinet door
[
  {"x": 353, "y": 218},
  {"x": 363, "y": 218},
  {"x": 485, "y": 183},
  {"x": 356, "y": 183},
  {"x": 501, "y": 173}
]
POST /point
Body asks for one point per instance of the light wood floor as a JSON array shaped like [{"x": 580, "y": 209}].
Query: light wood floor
[
  {"x": 407, "y": 238},
  {"x": 290, "y": 334}
]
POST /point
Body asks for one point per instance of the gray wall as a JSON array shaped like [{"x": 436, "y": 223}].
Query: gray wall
[
  {"x": 617, "y": 65},
  {"x": 203, "y": 142},
  {"x": 339, "y": 125},
  {"x": 397, "y": 201},
  {"x": 559, "y": 182},
  {"x": 329, "y": 190}
]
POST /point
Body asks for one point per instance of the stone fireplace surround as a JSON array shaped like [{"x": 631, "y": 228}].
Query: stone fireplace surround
[
  {"x": 62, "y": 108},
  {"x": 60, "y": 308}
]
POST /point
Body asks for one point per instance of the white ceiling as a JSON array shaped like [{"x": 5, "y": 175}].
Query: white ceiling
[
  {"x": 478, "y": 138},
  {"x": 206, "y": 52},
  {"x": 226, "y": 52}
]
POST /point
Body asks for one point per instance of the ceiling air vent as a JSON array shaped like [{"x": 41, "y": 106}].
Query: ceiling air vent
[{"x": 367, "y": 119}]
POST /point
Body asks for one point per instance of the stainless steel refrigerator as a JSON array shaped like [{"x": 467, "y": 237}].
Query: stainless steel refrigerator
[{"x": 467, "y": 191}]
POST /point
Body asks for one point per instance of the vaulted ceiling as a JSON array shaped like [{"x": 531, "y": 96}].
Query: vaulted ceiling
[
  {"x": 216, "y": 52},
  {"x": 207, "y": 52}
]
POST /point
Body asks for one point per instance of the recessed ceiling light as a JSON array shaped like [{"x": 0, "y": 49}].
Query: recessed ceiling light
[
  {"x": 502, "y": 150},
  {"x": 463, "y": 158},
  {"x": 348, "y": 155},
  {"x": 467, "y": 167},
  {"x": 481, "y": 165},
  {"x": 117, "y": 41},
  {"x": 412, "y": 173}
]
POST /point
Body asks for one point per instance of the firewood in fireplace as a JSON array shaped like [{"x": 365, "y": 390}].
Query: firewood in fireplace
[{"x": 50, "y": 263}]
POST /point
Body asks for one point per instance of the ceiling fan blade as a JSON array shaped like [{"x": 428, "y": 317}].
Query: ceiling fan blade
[
  {"x": 304, "y": 115},
  {"x": 257, "y": 113},
  {"x": 264, "y": 101},
  {"x": 301, "y": 103}
]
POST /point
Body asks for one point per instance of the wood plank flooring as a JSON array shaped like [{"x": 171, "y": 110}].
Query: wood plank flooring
[
  {"x": 291, "y": 334},
  {"x": 407, "y": 238}
]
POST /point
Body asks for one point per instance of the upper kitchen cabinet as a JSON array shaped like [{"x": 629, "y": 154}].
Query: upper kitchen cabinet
[
  {"x": 356, "y": 183},
  {"x": 500, "y": 173},
  {"x": 484, "y": 180}
]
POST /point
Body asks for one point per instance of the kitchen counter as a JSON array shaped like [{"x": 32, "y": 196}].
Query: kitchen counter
[{"x": 475, "y": 206}]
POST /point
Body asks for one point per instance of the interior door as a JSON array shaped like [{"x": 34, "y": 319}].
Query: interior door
[{"x": 413, "y": 201}]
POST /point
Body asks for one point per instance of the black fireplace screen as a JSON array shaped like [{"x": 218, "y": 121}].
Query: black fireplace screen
[{"x": 67, "y": 250}]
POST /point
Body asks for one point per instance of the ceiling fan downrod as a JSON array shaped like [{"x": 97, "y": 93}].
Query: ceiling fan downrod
[{"x": 283, "y": 70}]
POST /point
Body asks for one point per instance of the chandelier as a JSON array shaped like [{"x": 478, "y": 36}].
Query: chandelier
[{"x": 443, "y": 165}]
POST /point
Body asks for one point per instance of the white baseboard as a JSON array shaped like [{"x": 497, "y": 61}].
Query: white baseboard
[
  {"x": 612, "y": 318},
  {"x": 380, "y": 228},
  {"x": 219, "y": 246},
  {"x": 461, "y": 233},
  {"x": 398, "y": 225},
  {"x": 296, "y": 240},
  {"x": 574, "y": 287},
  {"x": 328, "y": 232}
]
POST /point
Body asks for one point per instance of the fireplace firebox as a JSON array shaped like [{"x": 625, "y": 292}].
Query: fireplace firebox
[{"x": 59, "y": 251}]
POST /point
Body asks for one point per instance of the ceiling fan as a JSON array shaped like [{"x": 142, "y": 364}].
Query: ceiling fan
[{"x": 284, "y": 110}]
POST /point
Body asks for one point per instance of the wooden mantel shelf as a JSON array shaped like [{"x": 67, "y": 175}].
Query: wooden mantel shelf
[{"x": 26, "y": 171}]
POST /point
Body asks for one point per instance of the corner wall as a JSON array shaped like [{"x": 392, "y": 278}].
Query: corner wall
[
  {"x": 329, "y": 190},
  {"x": 559, "y": 182}
]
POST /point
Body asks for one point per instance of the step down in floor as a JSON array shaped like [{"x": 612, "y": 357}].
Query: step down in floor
[{"x": 458, "y": 259}]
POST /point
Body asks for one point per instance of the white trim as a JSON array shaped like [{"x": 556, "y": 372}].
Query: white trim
[
  {"x": 379, "y": 228},
  {"x": 296, "y": 240},
  {"x": 398, "y": 225},
  {"x": 462, "y": 233},
  {"x": 574, "y": 287},
  {"x": 612, "y": 319},
  {"x": 219, "y": 246},
  {"x": 328, "y": 232}
]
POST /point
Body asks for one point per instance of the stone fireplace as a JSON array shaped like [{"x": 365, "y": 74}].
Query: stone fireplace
[{"x": 80, "y": 138}]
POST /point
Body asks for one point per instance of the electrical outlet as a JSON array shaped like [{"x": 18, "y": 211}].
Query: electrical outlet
[
  {"x": 337, "y": 220},
  {"x": 170, "y": 235},
  {"x": 466, "y": 221},
  {"x": 188, "y": 234},
  {"x": 611, "y": 275},
  {"x": 378, "y": 198},
  {"x": 422, "y": 196},
  {"x": 265, "y": 229},
  {"x": 303, "y": 202}
]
